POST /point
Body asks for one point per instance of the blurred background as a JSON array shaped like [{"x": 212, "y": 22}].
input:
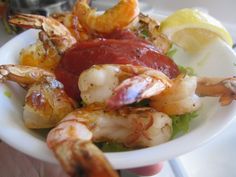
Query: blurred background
[{"x": 222, "y": 10}]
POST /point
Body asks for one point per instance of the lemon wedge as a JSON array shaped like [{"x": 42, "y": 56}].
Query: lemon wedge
[{"x": 192, "y": 29}]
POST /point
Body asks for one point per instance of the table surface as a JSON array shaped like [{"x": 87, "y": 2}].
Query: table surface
[{"x": 215, "y": 159}]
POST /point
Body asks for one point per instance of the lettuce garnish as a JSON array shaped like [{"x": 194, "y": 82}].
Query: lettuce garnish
[
  {"x": 112, "y": 147},
  {"x": 171, "y": 52},
  {"x": 181, "y": 123},
  {"x": 187, "y": 70}
]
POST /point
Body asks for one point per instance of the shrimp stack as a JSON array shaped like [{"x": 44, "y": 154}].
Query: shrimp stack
[{"x": 108, "y": 90}]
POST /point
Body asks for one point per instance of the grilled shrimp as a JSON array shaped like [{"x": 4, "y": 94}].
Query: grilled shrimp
[
  {"x": 56, "y": 32},
  {"x": 46, "y": 103},
  {"x": 71, "y": 141},
  {"x": 178, "y": 99},
  {"x": 39, "y": 55},
  {"x": 119, "y": 85},
  {"x": 117, "y": 17},
  {"x": 183, "y": 96},
  {"x": 71, "y": 22},
  {"x": 148, "y": 28},
  {"x": 54, "y": 39}
]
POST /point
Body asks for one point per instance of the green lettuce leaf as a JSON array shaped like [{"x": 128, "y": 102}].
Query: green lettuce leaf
[
  {"x": 187, "y": 70},
  {"x": 181, "y": 123},
  {"x": 171, "y": 52},
  {"x": 112, "y": 147}
]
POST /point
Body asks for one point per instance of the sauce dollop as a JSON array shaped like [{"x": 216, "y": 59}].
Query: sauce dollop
[{"x": 110, "y": 51}]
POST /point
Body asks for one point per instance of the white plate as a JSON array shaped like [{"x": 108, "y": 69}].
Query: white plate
[{"x": 216, "y": 60}]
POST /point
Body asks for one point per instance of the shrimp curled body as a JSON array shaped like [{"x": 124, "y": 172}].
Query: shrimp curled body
[
  {"x": 46, "y": 103},
  {"x": 71, "y": 141},
  {"x": 119, "y": 85},
  {"x": 122, "y": 14},
  {"x": 178, "y": 99},
  {"x": 54, "y": 40}
]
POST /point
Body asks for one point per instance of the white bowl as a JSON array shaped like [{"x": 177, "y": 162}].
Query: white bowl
[{"x": 216, "y": 60}]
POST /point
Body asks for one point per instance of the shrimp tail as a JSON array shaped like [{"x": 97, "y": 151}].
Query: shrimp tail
[
  {"x": 27, "y": 20},
  {"x": 82, "y": 158},
  {"x": 225, "y": 88},
  {"x": 24, "y": 75}
]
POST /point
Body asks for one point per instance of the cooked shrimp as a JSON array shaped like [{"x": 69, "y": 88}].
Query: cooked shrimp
[
  {"x": 183, "y": 96},
  {"x": 119, "y": 85},
  {"x": 71, "y": 141},
  {"x": 46, "y": 103},
  {"x": 56, "y": 32},
  {"x": 178, "y": 99},
  {"x": 71, "y": 22},
  {"x": 225, "y": 88},
  {"x": 148, "y": 28},
  {"x": 40, "y": 56},
  {"x": 119, "y": 16},
  {"x": 54, "y": 39},
  {"x": 24, "y": 75}
]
